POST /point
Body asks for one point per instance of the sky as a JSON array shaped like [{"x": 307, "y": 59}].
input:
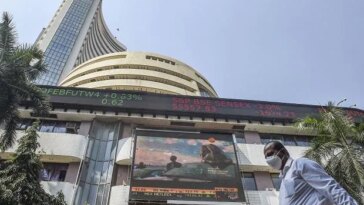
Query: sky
[{"x": 294, "y": 51}]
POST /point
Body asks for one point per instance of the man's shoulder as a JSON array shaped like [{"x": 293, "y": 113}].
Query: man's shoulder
[{"x": 304, "y": 162}]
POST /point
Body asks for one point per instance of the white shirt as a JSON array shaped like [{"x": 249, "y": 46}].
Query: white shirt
[{"x": 306, "y": 182}]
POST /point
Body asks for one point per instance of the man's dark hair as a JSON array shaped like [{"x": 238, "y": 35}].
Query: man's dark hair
[{"x": 277, "y": 145}]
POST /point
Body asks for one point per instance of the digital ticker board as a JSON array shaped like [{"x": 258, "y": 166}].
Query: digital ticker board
[{"x": 121, "y": 100}]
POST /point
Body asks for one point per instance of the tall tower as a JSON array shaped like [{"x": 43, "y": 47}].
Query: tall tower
[{"x": 76, "y": 33}]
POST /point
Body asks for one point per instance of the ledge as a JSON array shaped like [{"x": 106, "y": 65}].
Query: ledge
[{"x": 55, "y": 147}]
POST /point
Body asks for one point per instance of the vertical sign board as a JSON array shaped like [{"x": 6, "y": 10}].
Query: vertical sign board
[{"x": 185, "y": 166}]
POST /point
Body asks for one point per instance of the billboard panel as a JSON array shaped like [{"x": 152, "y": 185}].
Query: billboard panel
[{"x": 185, "y": 166}]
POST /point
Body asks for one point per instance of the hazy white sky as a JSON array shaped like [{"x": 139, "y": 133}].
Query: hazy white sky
[{"x": 274, "y": 50}]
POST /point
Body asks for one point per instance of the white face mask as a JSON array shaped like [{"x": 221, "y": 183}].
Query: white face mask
[{"x": 274, "y": 161}]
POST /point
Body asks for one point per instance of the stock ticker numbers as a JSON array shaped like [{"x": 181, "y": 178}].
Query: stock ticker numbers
[
  {"x": 271, "y": 110},
  {"x": 193, "y": 105},
  {"x": 232, "y": 107},
  {"x": 96, "y": 97},
  {"x": 118, "y": 99}
]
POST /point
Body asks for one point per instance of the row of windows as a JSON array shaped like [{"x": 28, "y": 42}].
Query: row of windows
[
  {"x": 131, "y": 67},
  {"x": 53, "y": 172},
  {"x": 50, "y": 171},
  {"x": 160, "y": 59},
  {"x": 136, "y": 77},
  {"x": 51, "y": 126},
  {"x": 204, "y": 93},
  {"x": 249, "y": 182},
  {"x": 290, "y": 140}
]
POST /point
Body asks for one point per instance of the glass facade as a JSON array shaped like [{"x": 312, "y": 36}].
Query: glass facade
[
  {"x": 60, "y": 47},
  {"x": 97, "y": 168}
]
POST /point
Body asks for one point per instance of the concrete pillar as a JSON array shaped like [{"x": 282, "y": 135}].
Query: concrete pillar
[
  {"x": 84, "y": 128},
  {"x": 72, "y": 171},
  {"x": 127, "y": 131},
  {"x": 123, "y": 175},
  {"x": 252, "y": 138},
  {"x": 263, "y": 180}
]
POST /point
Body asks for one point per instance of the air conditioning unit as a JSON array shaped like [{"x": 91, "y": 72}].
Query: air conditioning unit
[{"x": 71, "y": 127}]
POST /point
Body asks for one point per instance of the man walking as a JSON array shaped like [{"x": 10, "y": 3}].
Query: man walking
[{"x": 304, "y": 181}]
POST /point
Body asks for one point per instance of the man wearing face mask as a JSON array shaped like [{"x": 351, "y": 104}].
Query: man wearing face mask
[{"x": 304, "y": 181}]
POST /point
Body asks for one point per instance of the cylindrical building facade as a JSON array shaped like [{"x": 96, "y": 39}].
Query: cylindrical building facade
[{"x": 139, "y": 71}]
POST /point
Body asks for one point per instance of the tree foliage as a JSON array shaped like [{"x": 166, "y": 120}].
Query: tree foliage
[
  {"x": 19, "y": 180},
  {"x": 338, "y": 147},
  {"x": 20, "y": 65}
]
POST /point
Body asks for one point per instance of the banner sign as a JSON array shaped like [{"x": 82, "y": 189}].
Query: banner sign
[
  {"x": 185, "y": 166},
  {"x": 191, "y": 105}
]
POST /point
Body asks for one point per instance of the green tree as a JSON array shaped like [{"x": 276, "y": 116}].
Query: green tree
[
  {"x": 338, "y": 147},
  {"x": 20, "y": 65},
  {"x": 19, "y": 180}
]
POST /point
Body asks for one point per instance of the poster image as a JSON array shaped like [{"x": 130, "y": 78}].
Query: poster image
[{"x": 185, "y": 166}]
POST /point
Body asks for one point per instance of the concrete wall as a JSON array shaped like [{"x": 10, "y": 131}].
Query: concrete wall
[
  {"x": 124, "y": 153},
  {"x": 119, "y": 195},
  {"x": 123, "y": 175},
  {"x": 127, "y": 131},
  {"x": 263, "y": 180},
  {"x": 251, "y": 157},
  {"x": 155, "y": 74},
  {"x": 84, "y": 128},
  {"x": 55, "y": 147},
  {"x": 72, "y": 172},
  {"x": 252, "y": 138}
]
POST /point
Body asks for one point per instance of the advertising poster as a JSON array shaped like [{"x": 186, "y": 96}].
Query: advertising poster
[{"x": 185, "y": 166}]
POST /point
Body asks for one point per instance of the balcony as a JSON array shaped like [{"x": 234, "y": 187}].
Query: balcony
[
  {"x": 251, "y": 157},
  {"x": 124, "y": 153},
  {"x": 53, "y": 187},
  {"x": 55, "y": 147}
]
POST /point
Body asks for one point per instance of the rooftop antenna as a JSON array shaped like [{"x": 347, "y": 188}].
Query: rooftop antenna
[{"x": 341, "y": 102}]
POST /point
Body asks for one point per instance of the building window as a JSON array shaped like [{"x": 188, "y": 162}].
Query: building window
[
  {"x": 53, "y": 172},
  {"x": 276, "y": 181},
  {"x": 204, "y": 93},
  {"x": 289, "y": 140},
  {"x": 249, "y": 181},
  {"x": 47, "y": 126},
  {"x": 303, "y": 141},
  {"x": 265, "y": 138},
  {"x": 51, "y": 126},
  {"x": 24, "y": 124}
]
